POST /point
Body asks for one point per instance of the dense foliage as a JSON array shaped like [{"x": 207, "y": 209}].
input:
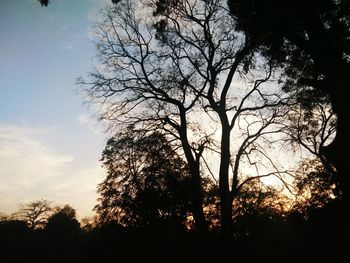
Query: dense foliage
[{"x": 147, "y": 181}]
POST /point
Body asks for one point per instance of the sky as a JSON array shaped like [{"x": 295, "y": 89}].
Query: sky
[{"x": 50, "y": 143}]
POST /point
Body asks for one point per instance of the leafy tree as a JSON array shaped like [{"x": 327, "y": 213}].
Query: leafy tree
[
  {"x": 62, "y": 235},
  {"x": 35, "y": 213},
  {"x": 89, "y": 223},
  {"x": 182, "y": 72},
  {"x": 62, "y": 222},
  {"x": 147, "y": 181},
  {"x": 66, "y": 210},
  {"x": 257, "y": 206},
  {"x": 312, "y": 129},
  {"x": 310, "y": 41},
  {"x": 316, "y": 186}
]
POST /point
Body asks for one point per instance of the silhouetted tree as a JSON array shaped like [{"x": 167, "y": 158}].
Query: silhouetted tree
[
  {"x": 62, "y": 222},
  {"x": 147, "y": 181},
  {"x": 310, "y": 41},
  {"x": 62, "y": 233},
  {"x": 318, "y": 218},
  {"x": 89, "y": 223},
  {"x": 312, "y": 129},
  {"x": 35, "y": 213},
  {"x": 183, "y": 78},
  {"x": 315, "y": 185},
  {"x": 257, "y": 206}
]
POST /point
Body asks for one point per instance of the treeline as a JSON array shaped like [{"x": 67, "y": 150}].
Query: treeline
[
  {"x": 144, "y": 213},
  {"x": 262, "y": 234}
]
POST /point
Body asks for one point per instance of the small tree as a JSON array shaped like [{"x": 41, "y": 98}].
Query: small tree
[
  {"x": 62, "y": 223},
  {"x": 35, "y": 213},
  {"x": 62, "y": 233}
]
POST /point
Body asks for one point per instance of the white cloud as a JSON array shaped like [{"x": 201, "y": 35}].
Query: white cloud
[
  {"x": 30, "y": 169},
  {"x": 92, "y": 123},
  {"x": 67, "y": 45},
  {"x": 67, "y": 37},
  {"x": 94, "y": 11},
  {"x": 91, "y": 34},
  {"x": 27, "y": 165}
]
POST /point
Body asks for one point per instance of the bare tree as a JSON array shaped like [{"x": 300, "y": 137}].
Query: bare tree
[
  {"x": 186, "y": 72},
  {"x": 35, "y": 213}
]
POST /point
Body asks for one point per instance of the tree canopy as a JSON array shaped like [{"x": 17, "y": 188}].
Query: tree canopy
[
  {"x": 189, "y": 73},
  {"x": 147, "y": 182},
  {"x": 310, "y": 41},
  {"x": 63, "y": 223}
]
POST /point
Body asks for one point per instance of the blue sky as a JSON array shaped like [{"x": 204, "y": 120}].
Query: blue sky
[{"x": 49, "y": 142}]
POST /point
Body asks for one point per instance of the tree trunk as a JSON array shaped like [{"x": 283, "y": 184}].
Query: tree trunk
[
  {"x": 337, "y": 151},
  {"x": 196, "y": 193},
  {"x": 196, "y": 187},
  {"x": 197, "y": 199},
  {"x": 224, "y": 188}
]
